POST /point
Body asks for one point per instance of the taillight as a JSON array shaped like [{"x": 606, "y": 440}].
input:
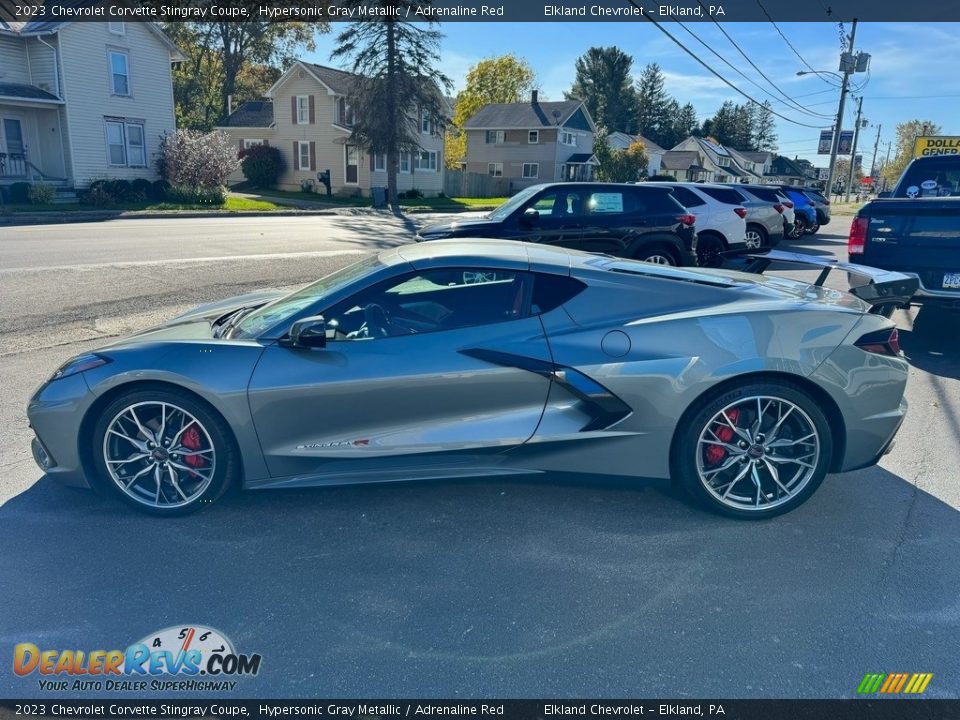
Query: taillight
[
  {"x": 779, "y": 208},
  {"x": 857, "y": 241},
  {"x": 687, "y": 220},
  {"x": 881, "y": 342},
  {"x": 742, "y": 212},
  {"x": 788, "y": 203},
  {"x": 826, "y": 202}
]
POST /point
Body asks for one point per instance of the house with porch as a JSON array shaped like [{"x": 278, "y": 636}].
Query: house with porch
[
  {"x": 531, "y": 142},
  {"x": 81, "y": 101},
  {"x": 307, "y": 115}
]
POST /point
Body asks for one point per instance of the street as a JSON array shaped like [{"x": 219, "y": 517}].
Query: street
[{"x": 504, "y": 588}]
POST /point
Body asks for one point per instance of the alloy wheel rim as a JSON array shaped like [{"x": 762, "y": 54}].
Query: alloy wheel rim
[
  {"x": 757, "y": 453},
  {"x": 752, "y": 239},
  {"x": 658, "y": 260},
  {"x": 159, "y": 455}
]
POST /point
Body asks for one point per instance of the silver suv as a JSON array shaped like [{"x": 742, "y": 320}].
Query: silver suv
[{"x": 767, "y": 219}]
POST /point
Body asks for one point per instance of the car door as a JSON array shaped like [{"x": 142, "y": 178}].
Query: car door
[
  {"x": 613, "y": 219},
  {"x": 554, "y": 217},
  {"x": 424, "y": 373}
]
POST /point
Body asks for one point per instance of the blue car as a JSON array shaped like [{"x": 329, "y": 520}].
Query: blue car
[{"x": 805, "y": 210}]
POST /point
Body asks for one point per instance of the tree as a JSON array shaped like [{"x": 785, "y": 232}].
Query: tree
[
  {"x": 734, "y": 125},
  {"x": 615, "y": 165},
  {"x": 764, "y": 128},
  {"x": 652, "y": 101},
  {"x": 684, "y": 124},
  {"x": 398, "y": 85},
  {"x": 231, "y": 58},
  {"x": 907, "y": 133},
  {"x": 604, "y": 84},
  {"x": 502, "y": 79}
]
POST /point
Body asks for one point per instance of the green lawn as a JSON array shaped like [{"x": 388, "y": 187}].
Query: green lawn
[
  {"x": 318, "y": 197},
  {"x": 445, "y": 203},
  {"x": 231, "y": 204}
]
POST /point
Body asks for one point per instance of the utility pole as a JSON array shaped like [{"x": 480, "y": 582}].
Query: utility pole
[
  {"x": 853, "y": 153},
  {"x": 847, "y": 72},
  {"x": 876, "y": 144},
  {"x": 885, "y": 162}
]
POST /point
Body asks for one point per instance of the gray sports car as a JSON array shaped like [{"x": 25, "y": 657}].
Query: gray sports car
[{"x": 468, "y": 358}]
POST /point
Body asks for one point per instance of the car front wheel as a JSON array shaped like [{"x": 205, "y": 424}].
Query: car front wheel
[
  {"x": 164, "y": 452},
  {"x": 755, "y": 451}
]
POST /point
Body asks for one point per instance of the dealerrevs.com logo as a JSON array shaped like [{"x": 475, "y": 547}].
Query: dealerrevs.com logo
[{"x": 188, "y": 657}]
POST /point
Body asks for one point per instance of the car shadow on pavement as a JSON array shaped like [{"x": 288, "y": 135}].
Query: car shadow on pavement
[
  {"x": 930, "y": 338},
  {"x": 507, "y": 588}
]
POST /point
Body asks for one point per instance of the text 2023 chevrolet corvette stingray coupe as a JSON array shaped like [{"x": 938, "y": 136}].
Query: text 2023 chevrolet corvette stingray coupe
[{"x": 468, "y": 358}]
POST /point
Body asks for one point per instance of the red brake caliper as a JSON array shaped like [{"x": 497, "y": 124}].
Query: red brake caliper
[
  {"x": 191, "y": 440},
  {"x": 714, "y": 454}
]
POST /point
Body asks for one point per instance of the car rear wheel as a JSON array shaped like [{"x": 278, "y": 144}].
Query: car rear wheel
[
  {"x": 812, "y": 229},
  {"x": 656, "y": 254},
  {"x": 164, "y": 452},
  {"x": 798, "y": 228},
  {"x": 709, "y": 249},
  {"x": 755, "y": 237},
  {"x": 755, "y": 451}
]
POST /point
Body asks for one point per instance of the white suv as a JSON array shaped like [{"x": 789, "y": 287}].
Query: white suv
[{"x": 720, "y": 225}]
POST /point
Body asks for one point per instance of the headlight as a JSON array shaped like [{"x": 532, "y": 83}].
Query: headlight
[{"x": 79, "y": 364}]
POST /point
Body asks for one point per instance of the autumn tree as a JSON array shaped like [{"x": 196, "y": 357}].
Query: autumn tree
[
  {"x": 502, "y": 79},
  {"x": 907, "y": 133},
  {"x": 603, "y": 82},
  {"x": 616, "y": 165},
  {"x": 398, "y": 85}
]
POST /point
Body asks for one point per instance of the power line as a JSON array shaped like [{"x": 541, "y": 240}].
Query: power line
[
  {"x": 749, "y": 79},
  {"x": 754, "y": 66},
  {"x": 714, "y": 72},
  {"x": 790, "y": 45}
]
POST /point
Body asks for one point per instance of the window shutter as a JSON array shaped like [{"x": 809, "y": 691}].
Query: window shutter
[
  {"x": 266, "y": 143},
  {"x": 439, "y": 160},
  {"x": 313, "y": 155},
  {"x": 293, "y": 109},
  {"x": 240, "y": 148},
  {"x": 371, "y": 162},
  {"x": 313, "y": 115},
  {"x": 296, "y": 154}
]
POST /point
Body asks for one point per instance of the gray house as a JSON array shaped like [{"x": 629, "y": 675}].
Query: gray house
[{"x": 531, "y": 142}]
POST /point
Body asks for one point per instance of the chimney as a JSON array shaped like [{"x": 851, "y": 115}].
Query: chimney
[{"x": 533, "y": 97}]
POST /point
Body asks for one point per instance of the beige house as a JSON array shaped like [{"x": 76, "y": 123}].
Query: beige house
[
  {"x": 531, "y": 142},
  {"x": 83, "y": 100},
  {"x": 306, "y": 115}
]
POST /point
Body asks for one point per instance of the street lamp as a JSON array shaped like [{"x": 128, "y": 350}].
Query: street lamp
[{"x": 819, "y": 72}]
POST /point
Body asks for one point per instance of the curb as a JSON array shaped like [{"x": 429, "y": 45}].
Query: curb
[{"x": 54, "y": 218}]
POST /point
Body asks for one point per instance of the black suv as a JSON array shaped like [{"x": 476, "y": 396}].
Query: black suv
[{"x": 644, "y": 222}]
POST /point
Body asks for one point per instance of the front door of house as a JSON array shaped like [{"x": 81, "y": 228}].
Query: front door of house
[
  {"x": 12, "y": 160},
  {"x": 352, "y": 162}
]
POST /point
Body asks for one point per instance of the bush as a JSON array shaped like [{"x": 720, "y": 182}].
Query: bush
[
  {"x": 196, "y": 159},
  {"x": 191, "y": 195},
  {"x": 261, "y": 165},
  {"x": 413, "y": 193},
  {"x": 159, "y": 190},
  {"x": 120, "y": 190},
  {"x": 41, "y": 194},
  {"x": 19, "y": 193},
  {"x": 97, "y": 195},
  {"x": 140, "y": 190}
]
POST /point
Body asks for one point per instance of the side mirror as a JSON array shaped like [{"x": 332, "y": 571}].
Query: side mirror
[
  {"x": 530, "y": 216},
  {"x": 310, "y": 332}
]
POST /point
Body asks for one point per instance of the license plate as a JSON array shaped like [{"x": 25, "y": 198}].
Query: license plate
[{"x": 951, "y": 280}]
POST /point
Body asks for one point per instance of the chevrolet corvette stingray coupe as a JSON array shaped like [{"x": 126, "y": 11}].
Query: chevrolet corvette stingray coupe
[{"x": 484, "y": 358}]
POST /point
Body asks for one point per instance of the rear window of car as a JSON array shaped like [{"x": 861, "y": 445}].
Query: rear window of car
[
  {"x": 724, "y": 195},
  {"x": 552, "y": 291},
  {"x": 765, "y": 195},
  {"x": 938, "y": 177},
  {"x": 657, "y": 200},
  {"x": 687, "y": 197}
]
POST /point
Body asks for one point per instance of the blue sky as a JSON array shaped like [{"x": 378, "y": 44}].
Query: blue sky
[{"x": 912, "y": 69}]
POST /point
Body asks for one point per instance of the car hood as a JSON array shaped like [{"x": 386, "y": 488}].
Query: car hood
[
  {"x": 197, "y": 324},
  {"x": 466, "y": 226}
]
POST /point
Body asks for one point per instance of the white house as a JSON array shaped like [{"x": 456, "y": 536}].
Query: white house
[
  {"x": 307, "y": 116},
  {"x": 83, "y": 100},
  {"x": 621, "y": 141}
]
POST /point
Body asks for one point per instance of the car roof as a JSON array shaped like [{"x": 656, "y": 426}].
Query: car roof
[{"x": 483, "y": 252}]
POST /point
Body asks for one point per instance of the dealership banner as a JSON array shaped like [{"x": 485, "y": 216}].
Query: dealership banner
[
  {"x": 826, "y": 142},
  {"x": 475, "y": 11},
  {"x": 512, "y": 709}
]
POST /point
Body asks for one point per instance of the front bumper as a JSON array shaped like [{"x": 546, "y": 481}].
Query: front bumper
[{"x": 55, "y": 413}]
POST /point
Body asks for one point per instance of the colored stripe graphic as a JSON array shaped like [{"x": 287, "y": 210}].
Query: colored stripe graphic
[{"x": 894, "y": 683}]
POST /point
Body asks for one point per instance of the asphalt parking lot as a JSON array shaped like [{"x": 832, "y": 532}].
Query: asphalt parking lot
[{"x": 508, "y": 588}]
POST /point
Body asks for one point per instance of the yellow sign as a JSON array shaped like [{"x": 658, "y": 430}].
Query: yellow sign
[{"x": 927, "y": 145}]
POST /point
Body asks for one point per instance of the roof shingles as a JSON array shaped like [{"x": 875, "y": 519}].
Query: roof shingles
[{"x": 522, "y": 115}]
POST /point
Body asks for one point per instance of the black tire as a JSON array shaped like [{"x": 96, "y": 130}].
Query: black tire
[
  {"x": 657, "y": 253},
  {"x": 225, "y": 454},
  {"x": 684, "y": 458},
  {"x": 812, "y": 229},
  {"x": 761, "y": 233},
  {"x": 709, "y": 249},
  {"x": 799, "y": 226}
]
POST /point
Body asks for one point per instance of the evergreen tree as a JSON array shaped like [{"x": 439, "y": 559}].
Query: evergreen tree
[
  {"x": 604, "y": 85},
  {"x": 764, "y": 129},
  {"x": 652, "y": 101}
]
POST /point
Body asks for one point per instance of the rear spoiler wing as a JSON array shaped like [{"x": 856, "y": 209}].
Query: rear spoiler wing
[{"x": 883, "y": 290}]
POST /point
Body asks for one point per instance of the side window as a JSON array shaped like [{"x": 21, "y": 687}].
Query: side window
[
  {"x": 606, "y": 203},
  {"x": 687, "y": 197},
  {"x": 552, "y": 291},
  {"x": 559, "y": 204},
  {"x": 430, "y": 301}
]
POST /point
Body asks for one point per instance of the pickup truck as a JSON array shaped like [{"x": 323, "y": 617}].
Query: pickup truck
[{"x": 916, "y": 231}]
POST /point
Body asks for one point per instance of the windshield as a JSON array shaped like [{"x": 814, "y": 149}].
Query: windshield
[
  {"x": 502, "y": 212},
  {"x": 286, "y": 307},
  {"x": 931, "y": 178}
]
